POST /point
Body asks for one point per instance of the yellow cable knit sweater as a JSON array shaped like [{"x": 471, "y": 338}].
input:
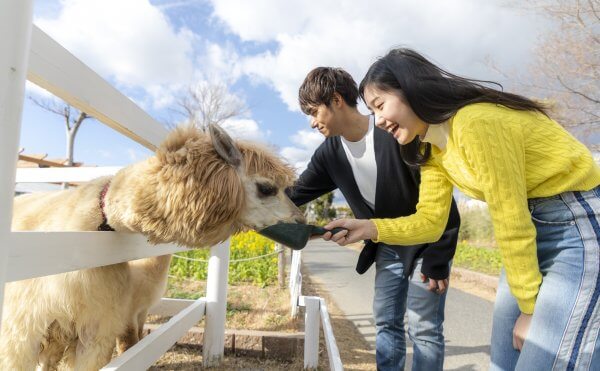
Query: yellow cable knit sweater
[{"x": 503, "y": 157}]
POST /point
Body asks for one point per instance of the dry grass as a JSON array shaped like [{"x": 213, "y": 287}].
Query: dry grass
[
  {"x": 248, "y": 307},
  {"x": 255, "y": 308},
  {"x": 189, "y": 357}
]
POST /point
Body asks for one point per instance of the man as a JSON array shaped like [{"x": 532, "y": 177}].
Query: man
[{"x": 365, "y": 164}]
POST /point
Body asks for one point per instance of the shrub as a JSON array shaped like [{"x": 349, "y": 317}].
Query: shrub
[
  {"x": 476, "y": 226},
  {"x": 481, "y": 259}
]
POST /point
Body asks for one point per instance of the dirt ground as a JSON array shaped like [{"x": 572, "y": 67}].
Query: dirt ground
[{"x": 255, "y": 308}]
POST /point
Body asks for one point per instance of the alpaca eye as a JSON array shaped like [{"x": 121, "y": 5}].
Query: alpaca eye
[{"x": 265, "y": 190}]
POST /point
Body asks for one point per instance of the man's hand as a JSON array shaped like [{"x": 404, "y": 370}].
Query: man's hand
[
  {"x": 357, "y": 230},
  {"x": 438, "y": 286},
  {"x": 520, "y": 330}
]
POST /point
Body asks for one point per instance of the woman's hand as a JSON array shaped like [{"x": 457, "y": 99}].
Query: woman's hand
[
  {"x": 357, "y": 230},
  {"x": 520, "y": 330},
  {"x": 437, "y": 286}
]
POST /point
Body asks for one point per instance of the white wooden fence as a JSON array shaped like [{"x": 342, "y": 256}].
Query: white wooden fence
[
  {"x": 315, "y": 309},
  {"x": 28, "y": 53}
]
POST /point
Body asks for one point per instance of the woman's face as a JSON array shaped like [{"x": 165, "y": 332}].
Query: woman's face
[{"x": 393, "y": 114}]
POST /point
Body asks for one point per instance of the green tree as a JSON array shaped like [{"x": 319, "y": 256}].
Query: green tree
[{"x": 322, "y": 208}]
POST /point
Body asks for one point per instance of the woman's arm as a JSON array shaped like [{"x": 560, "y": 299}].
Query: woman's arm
[{"x": 425, "y": 226}]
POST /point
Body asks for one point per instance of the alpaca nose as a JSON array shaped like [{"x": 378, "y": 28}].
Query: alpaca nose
[{"x": 300, "y": 219}]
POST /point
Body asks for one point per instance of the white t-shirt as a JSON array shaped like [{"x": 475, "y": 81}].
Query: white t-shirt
[{"x": 361, "y": 156}]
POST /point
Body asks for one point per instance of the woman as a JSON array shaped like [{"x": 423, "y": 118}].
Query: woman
[{"x": 541, "y": 186}]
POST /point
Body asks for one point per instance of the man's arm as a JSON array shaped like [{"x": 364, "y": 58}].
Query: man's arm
[
  {"x": 315, "y": 181},
  {"x": 437, "y": 255}
]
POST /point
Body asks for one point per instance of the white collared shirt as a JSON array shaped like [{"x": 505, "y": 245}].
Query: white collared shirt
[{"x": 437, "y": 134}]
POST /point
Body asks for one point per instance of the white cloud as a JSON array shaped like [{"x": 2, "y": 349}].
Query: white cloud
[
  {"x": 246, "y": 129},
  {"x": 305, "y": 143},
  {"x": 260, "y": 20},
  {"x": 136, "y": 45},
  {"x": 219, "y": 62},
  {"x": 458, "y": 34},
  {"x": 129, "y": 41}
]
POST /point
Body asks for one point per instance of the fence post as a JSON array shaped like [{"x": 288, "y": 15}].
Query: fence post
[
  {"x": 295, "y": 282},
  {"x": 311, "y": 331},
  {"x": 16, "y": 17},
  {"x": 213, "y": 343},
  {"x": 281, "y": 265}
]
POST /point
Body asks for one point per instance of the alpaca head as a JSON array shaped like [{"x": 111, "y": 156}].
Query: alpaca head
[{"x": 204, "y": 186}]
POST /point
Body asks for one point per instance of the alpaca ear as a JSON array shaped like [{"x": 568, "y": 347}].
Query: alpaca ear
[{"x": 225, "y": 146}]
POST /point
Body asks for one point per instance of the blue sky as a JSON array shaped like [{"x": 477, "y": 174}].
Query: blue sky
[{"x": 262, "y": 49}]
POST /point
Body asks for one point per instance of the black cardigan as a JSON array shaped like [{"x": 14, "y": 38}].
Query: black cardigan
[{"x": 397, "y": 194}]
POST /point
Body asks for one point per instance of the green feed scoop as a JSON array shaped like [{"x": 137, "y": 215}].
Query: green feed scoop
[{"x": 295, "y": 236}]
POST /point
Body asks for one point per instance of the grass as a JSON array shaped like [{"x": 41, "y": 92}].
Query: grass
[
  {"x": 480, "y": 259},
  {"x": 477, "y": 251}
]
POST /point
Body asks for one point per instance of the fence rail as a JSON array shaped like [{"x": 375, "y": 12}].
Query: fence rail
[
  {"x": 55, "y": 69},
  {"x": 35, "y": 254},
  {"x": 152, "y": 347},
  {"x": 64, "y": 174}
]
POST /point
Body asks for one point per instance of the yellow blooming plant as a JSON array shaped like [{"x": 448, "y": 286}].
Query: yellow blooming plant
[{"x": 245, "y": 245}]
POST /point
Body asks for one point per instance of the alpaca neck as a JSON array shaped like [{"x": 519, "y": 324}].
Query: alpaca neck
[{"x": 119, "y": 200}]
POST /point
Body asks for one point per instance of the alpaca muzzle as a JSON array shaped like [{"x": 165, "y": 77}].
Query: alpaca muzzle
[{"x": 293, "y": 235}]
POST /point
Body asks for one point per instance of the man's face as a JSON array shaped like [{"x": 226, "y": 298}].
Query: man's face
[{"x": 324, "y": 119}]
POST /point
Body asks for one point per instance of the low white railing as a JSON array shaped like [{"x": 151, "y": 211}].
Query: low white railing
[{"x": 315, "y": 310}]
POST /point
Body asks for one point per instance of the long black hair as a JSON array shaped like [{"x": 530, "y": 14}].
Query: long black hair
[{"x": 433, "y": 94}]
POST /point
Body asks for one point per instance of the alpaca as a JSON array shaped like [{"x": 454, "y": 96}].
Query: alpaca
[{"x": 195, "y": 191}]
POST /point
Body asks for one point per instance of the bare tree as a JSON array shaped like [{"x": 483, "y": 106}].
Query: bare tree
[
  {"x": 567, "y": 67},
  {"x": 208, "y": 102},
  {"x": 73, "y": 118}
]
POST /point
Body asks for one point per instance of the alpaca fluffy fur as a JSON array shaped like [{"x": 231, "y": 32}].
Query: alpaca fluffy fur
[{"x": 186, "y": 194}]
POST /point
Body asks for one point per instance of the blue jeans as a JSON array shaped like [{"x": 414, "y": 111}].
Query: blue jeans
[
  {"x": 563, "y": 334},
  {"x": 394, "y": 290}
]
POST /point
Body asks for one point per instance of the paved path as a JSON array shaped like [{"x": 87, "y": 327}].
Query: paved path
[{"x": 468, "y": 318}]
